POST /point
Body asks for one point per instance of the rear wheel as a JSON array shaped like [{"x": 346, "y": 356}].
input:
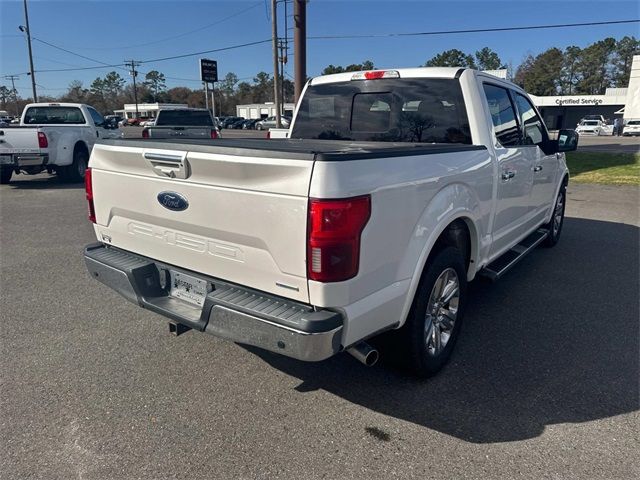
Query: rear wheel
[
  {"x": 74, "y": 173},
  {"x": 5, "y": 175},
  {"x": 432, "y": 328},
  {"x": 554, "y": 226}
]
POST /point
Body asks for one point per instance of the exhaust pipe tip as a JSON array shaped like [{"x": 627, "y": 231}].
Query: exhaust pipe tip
[{"x": 364, "y": 353}]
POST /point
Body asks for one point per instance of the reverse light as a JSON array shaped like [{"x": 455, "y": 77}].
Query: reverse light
[
  {"x": 42, "y": 140},
  {"x": 88, "y": 188},
  {"x": 334, "y": 231},
  {"x": 145, "y": 133},
  {"x": 375, "y": 75}
]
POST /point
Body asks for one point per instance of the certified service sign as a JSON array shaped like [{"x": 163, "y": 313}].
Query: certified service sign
[{"x": 173, "y": 201}]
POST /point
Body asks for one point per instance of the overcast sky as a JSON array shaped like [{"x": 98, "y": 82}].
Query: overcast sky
[{"x": 112, "y": 31}]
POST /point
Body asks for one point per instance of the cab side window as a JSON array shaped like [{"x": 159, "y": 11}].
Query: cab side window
[
  {"x": 97, "y": 118},
  {"x": 534, "y": 132},
  {"x": 503, "y": 115}
]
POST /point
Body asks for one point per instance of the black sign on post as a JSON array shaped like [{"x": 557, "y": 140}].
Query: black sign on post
[{"x": 208, "y": 70}]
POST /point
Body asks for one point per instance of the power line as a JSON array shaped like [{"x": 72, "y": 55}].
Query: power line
[
  {"x": 194, "y": 54},
  {"x": 472, "y": 30}
]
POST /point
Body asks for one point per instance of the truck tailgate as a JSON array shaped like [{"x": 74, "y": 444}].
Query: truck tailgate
[
  {"x": 19, "y": 140},
  {"x": 244, "y": 218}
]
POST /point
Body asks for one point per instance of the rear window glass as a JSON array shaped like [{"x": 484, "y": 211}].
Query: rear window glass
[
  {"x": 424, "y": 110},
  {"x": 53, "y": 115},
  {"x": 634, "y": 122},
  {"x": 188, "y": 118}
]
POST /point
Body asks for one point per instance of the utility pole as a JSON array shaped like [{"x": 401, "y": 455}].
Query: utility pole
[
  {"x": 276, "y": 83},
  {"x": 283, "y": 59},
  {"x": 206, "y": 95},
  {"x": 134, "y": 73},
  {"x": 13, "y": 79},
  {"x": 27, "y": 30},
  {"x": 300, "y": 45}
]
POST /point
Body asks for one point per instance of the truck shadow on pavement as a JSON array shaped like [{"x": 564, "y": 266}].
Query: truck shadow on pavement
[
  {"x": 555, "y": 341},
  {"x": 42, "y": 181}
]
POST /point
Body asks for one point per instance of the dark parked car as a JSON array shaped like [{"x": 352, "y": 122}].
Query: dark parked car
[
  {"x": 250, "y": 124},
  {"x": 227, "y": 122},
  {"x": 237, "y": 125}
]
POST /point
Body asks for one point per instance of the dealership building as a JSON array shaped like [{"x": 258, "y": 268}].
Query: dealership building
[
  {"x": 147, "y": 110},
  {"x": 567, "y": 110}
]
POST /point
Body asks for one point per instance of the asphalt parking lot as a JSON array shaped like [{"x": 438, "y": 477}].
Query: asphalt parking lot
[{"x": 544, "y": 382}]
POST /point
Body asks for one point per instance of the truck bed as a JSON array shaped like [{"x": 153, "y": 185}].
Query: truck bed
[{"x": 318, "y": 150}]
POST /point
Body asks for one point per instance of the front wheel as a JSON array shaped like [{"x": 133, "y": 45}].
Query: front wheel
[
  {"x": 5, "y": 175},
  {"x": 433, "y": 325},
  {"x": 554, "y": 227}
]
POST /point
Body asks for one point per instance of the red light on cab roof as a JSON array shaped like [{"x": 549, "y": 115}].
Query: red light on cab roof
[{"x": 375, "y": 75}]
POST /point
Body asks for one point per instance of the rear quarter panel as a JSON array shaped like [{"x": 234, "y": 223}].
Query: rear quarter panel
[{"x": 413, "y": 199}]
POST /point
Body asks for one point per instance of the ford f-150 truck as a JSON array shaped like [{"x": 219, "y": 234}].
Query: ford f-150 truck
[
  {"x": 394, "y": 190},
  {"x": 54, "y": 137}
]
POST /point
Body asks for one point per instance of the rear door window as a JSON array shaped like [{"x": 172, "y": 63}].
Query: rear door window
[{"x": 503, "y": 115}]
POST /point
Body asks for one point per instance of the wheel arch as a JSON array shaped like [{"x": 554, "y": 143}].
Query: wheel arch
[{"x": 460, "y": 228}]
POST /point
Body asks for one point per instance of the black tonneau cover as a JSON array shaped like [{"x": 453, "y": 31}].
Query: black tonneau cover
[{"x": 297, "y": 149}]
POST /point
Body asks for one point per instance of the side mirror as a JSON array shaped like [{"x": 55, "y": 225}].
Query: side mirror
[{"x": 567, "y": 140}]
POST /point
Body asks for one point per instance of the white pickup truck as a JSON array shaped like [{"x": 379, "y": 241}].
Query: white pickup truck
[
  {"x": 395, "y": 189},
  {"x": 53, "y": 137}
]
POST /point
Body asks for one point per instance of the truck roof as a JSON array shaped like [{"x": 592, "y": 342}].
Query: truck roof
[{"x": 54, "y": 104}]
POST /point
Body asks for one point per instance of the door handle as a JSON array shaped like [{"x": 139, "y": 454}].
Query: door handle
[
  {"x": 537, "y": 168},
  {"x": 508, "y": 175}
]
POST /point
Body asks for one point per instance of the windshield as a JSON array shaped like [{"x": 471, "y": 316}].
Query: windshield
[
  {"x": 187, "y": 118},
  {"x": 634, "y": 122},
  {"x": 427, "y": 110},
  {"x": 590, "y": 124},
  {"x": 53, "y": 115}
]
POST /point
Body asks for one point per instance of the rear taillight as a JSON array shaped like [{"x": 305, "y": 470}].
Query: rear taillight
[
  {"x": 335, "y": 226},
  {"x": 145, "y": 133},
  {"x": 42, "y": 140},
  {"x": 214, "y": 133},
  {"x": 268, "y": 134},
  {"x": 88, "y": 188}
]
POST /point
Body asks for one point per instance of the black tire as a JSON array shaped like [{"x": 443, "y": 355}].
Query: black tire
[
  {"x": 259, "y": 127},
  {"x": 413, "y": 344},
  {"x": 74, "y": 173},
  {"x": 554, "y": 227},
  {"x": 5, "y": 175}
]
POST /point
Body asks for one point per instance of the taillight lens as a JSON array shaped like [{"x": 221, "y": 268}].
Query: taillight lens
[
  {"x": 88, "y": 188},
  {"x": 42, "y": 140},
  {"x": 214, "y": 133},
  {"x": 145, "y": 133},
  {"x": 335, "y": 227}
]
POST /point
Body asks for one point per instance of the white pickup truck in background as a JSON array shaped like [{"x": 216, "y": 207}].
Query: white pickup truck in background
[
  {"x": 53, "y": 137},
  {"x": 394, "y": 190}
]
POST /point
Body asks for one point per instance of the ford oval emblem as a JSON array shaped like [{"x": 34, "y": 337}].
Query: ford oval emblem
[{"x": 173, "y": 201}]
